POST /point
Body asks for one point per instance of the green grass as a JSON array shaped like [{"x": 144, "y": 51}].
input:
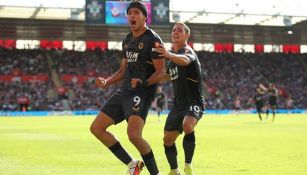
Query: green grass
[{"x": 226, "y": 145}]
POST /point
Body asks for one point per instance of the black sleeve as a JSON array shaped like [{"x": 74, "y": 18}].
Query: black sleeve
[
  {"x": 155, "y": 42},
  {"x": 124, "y": 48},
  {"x": 190, "y": 54}
]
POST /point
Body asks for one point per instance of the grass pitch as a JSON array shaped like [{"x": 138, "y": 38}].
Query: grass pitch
[{"x": 226, "y": 145}]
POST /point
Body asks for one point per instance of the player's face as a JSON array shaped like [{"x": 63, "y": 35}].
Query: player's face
[
  {"x": 136, "y": 19},
  {"x": 179, "y": 34}
]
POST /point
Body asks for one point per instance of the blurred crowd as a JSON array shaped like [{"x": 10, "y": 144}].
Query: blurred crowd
[
  {"x": 30, "y": 62},
  {"x": 236, "y": 75},
  {"x": 228, "y": 77}
]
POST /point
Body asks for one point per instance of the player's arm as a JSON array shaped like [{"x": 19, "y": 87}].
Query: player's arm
[
  {"x": 156, "y": 77},
  {"x": 116, "y": 77},
  {"x": 179, "y": 59},
  {"x": 166, "y": 77},
  {"x": 262, "y": 87},
  {"x": 159, "y": 73}
]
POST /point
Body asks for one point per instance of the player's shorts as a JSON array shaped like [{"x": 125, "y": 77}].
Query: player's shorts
[
  {"x": 126, "y": 103},
  {"x": 273, "y": 101},
  {"x": 160, "y": 105},
  {"x": 259, "y": 107},
  {"x": 178, "y": 112}
]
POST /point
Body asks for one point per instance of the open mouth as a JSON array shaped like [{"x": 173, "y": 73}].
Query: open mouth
[{"x": 132, "y": 23}]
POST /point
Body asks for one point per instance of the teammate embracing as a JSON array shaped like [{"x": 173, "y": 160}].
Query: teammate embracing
[
  {"x": 273, "y": 93},
  {"x": 184, "y": 70}
]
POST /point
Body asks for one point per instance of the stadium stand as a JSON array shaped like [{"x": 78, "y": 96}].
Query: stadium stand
[{"x": 226, "y": 76}]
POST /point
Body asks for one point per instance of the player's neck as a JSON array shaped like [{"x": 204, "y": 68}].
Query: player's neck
[
  {"x": 178, "y": 46},
  {"x": 137, "y": 33}
]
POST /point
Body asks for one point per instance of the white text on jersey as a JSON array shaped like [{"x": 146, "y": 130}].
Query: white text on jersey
[{"x": 132, "y": 56}]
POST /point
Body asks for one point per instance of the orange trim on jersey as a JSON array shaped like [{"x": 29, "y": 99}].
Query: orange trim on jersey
[{"x": 192, "y": 80}]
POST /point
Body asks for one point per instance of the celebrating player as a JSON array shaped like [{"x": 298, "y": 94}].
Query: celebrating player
[
  {"x": 184, "y": 70},
  {"x": 258, "y": 99},
  {"x": 273, "y": 93},
  {"x": 141, "y": 69}
]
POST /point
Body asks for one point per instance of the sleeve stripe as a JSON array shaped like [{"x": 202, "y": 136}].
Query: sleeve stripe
[
  {"x": 192, "y": 80},
  {"x": 149, "y": 62}
]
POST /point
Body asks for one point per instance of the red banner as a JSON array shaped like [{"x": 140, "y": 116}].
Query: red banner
[
  {"x": 8, "y": 44},
  {"x": 259, "y": 48},
  {"x": 74, "y": 78},
  {"x": 291, "y": 48},
  {"x": 35, "y": 78},
  {"x": 23, "y": 100},
  {"x": 225, "y": 47},
  {"x": 26, "y": 78},
  {"x": 46, "y": 44},
  {"x": 6, "y": 77},
  {"x": 92, "y": 45}
]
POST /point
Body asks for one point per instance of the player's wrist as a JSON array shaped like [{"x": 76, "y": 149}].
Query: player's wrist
[
  {"x": 169, "y": 55},
  {"x": 107, "y": 82},
  {"x": 142, "y": 84}
]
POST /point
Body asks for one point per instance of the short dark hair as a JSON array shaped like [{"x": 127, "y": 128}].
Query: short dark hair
[{"x": 139, "y": 5}]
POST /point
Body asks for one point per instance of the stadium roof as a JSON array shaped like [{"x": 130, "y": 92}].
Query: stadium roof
[
  {"x": 29, "y": 29},
  {"x": 238, "y": 12}
]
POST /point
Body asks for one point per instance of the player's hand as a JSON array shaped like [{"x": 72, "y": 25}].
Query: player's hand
[
  {"x": 101, "y": 82},
  {"x": 163, "y": 52},
  {"x": 135, "y": 82}
]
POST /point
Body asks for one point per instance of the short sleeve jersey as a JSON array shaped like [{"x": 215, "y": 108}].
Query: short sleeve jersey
[
  {"x": 187, "y": 80},
  {"x": 273, "y": 93},
  {"x": 140, "y": 53},
  {"x": 258, "y": 99}
]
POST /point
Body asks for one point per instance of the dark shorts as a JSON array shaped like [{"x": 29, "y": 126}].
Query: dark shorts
[
  {"x": 160, "y": 105},
  {"x": 259, "y": 107},
  {"x": 124, "y": 104},
  {"x": 178, "y": 112},
  {"x": 273, "y": 101}
]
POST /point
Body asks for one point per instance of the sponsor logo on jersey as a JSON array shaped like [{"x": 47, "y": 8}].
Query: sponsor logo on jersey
[
  {"x": 173, "y": 72},
  {"x": 132, "y": 56}
]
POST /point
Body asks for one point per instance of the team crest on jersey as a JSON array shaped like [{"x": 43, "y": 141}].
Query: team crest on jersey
[{"x": 141, "y": 45}]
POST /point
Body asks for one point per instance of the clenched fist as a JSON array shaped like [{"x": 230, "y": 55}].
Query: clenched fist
[
  {"x": 101, "y": 82},
  {"x": 135, "y": 82}
]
